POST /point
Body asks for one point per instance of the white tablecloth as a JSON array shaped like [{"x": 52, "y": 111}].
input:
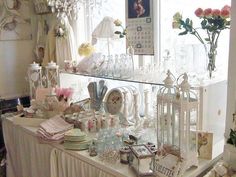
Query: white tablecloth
[{"x": 27, "y": 157}]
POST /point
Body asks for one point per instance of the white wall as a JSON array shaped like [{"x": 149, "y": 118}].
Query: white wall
[
  {"x": 15, "y": 56},
  {"x": 231, "y": 98}
]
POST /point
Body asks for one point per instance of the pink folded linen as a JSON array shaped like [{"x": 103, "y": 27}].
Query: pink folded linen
[
  {"x": 55, "y": 125},
  {"x": 44, "y": 135},
  {"x": 43, "y": 141},
  {"x": 53, "y": 130}
]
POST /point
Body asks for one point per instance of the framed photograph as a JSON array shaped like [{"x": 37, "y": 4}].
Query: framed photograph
[
  {"x": 204, "y": 145},
  {"x": 138, "y": 8}
]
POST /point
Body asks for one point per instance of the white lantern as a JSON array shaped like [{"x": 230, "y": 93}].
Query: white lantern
[
  {"x": 185, "y": 110},
  {"x": 52, "y": 74},
  {"x": 166, "y": 132},
  {"x": 35, "y": 78}
]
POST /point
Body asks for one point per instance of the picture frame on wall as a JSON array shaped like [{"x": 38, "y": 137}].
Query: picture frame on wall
[{"x": 15, "y": 20}]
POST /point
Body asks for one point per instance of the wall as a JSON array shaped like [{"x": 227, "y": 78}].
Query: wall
[
  {"x": 231, "y": 98},
  {"x": 15, "y": 56}
]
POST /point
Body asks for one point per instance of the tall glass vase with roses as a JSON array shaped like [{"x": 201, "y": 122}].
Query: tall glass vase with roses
[{"x": 213, "y": 22}]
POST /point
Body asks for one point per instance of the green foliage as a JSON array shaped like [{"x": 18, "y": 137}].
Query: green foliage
[
  {"x": 213, "y": 26},
  {"x": 117, "y": 32}
]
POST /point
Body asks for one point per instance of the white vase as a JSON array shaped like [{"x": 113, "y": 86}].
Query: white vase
[{"x": 229, "y": 155}]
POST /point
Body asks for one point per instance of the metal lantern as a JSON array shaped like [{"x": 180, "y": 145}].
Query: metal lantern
[
  {"x": 35, "y": 78},
  {"x": 166, "y": 132},
  {"x": 185, "y": 111},
  {"x": 52, "y": 74}
]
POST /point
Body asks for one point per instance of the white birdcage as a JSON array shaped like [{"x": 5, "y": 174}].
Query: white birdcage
[
  {"x": 177, "y": 117},
  {"x": 165, "y": 118},
  {"x": 52, "y": 74},
  {"x": 185, "y": 110},
  {"x": 34, "y": 78}
]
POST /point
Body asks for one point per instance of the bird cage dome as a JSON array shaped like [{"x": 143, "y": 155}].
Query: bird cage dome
[
  {"x": 165, "y": 117},
  {"x": 34, "y": 78},
  {"x": 185, "y": 110},
  {"x": 52, "y": 74}
]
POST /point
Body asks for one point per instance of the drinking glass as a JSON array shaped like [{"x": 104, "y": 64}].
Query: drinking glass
[
  {"x": 110, "y": 65},
  {"x": 117, "y": 67}
]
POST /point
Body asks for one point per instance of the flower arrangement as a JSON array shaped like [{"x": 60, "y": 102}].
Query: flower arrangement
[
  {"x": 86, "y": 49},
  {"x": 60, "y": 31},
  {"x": 64, "y": 94},
  {"x": 122, "y": 33},
  {"x": 213, "y": 21}
]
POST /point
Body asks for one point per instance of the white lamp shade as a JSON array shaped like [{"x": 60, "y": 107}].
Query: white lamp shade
[{"x": 105, "y": 29}]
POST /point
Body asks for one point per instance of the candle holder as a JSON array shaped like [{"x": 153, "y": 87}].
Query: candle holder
[
  {"x": 35, "y": 78},
  {"x": 52, "y": 74}
]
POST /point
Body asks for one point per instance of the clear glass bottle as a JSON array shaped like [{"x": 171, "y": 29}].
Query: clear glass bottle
[
  {"x": 110, "y": 65},
  {"x": 117, "y": 67},
  {"x": 93, "y": 149}
]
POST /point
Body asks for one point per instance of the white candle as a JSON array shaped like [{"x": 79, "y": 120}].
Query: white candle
[
  {"x": 125, "y": 106},
  {"x": 136, "y": 108},
  {"x": 146, "y": 111}
]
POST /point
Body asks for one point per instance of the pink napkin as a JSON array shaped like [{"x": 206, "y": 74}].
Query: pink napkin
[
  {"x": 53, "y": 130},
  {"x": 55, "y": 125}
]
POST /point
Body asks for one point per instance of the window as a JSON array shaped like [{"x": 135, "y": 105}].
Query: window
[
  {"x": 213, "y": 108},
  {"x": 170, "y": 40}
]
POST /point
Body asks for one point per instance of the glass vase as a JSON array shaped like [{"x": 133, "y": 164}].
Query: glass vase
[
  {"x": 212, "y": 52},
  {"x": 200, "y": 59}
]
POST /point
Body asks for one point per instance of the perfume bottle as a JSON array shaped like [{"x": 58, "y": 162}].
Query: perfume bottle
[{"x": 93, "y": 149}]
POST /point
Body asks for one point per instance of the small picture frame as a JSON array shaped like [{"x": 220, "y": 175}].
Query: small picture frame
[{"x": 204, "y": 145}]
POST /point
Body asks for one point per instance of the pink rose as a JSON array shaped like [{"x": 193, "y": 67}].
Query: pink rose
[
  {"x": 68, "y": 92},
  {"x": 226, "y": 7},
  {"x": 216, "y": 12},
  {"x": 58, "y": 92},
  {"x": 207, "y": 12},
  {"x": 225, "y": 11},
  {"x": 199, "y": 12}
]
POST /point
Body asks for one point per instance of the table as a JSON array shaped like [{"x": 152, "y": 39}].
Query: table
[{"x": 27, "y": 157}]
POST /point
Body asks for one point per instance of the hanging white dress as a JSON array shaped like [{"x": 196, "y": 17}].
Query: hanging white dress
[
  {"x": 59, "y": 49},
  {"x": 66, "y": 46},
  {"x": 50, "y": 49}
]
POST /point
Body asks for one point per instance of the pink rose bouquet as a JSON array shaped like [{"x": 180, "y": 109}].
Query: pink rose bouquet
[
  {"x": 213, "y": 21},
  {"x": 64, "y": 93}
]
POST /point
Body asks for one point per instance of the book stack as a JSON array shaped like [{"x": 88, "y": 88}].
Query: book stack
[
  {"x": 75, "y": 139},
  {"x": 53, "y": 129}
]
